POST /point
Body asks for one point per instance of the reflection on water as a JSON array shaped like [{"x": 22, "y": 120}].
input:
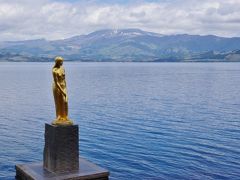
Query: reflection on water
[{"x": 147, "y": 120}]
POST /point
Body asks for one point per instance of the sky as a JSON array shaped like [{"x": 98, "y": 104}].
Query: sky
[{"x": 59, "y": 19}]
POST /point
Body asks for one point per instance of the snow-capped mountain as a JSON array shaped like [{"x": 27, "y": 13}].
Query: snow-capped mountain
[{"x": 126, "y": 45}]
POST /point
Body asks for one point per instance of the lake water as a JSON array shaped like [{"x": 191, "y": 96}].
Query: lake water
[{"x": 139, "y": 120}]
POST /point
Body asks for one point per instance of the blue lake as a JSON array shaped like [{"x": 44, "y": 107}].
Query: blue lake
[{"x": 139, "y": 120}]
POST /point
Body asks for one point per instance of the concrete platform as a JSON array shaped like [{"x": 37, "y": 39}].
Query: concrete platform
[{"x": 35, "y": 171}]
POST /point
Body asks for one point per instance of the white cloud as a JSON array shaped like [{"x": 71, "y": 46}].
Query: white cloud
[{"x": 49, "y": 19}]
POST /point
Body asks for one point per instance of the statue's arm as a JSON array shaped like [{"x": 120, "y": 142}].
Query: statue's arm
[{"x": 57, "y": 84}]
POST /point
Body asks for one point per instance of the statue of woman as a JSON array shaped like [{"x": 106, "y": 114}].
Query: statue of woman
[{"x": 60, "y": 93}]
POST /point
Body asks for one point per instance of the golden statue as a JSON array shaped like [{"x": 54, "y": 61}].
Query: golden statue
[{"x": 60, "y": 93}]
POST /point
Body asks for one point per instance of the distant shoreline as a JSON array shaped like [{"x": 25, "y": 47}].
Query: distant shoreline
[{"x": 77, "y": 61}]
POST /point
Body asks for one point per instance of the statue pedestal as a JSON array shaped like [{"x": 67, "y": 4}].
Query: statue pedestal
[
  {"x": 61, "y": 158},
  {"x": 61, "y": 151}
]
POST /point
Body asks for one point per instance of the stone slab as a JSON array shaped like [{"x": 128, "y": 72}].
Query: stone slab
[
  {"x": 87, "y": 171},
  {"x": 61, "y": 150}
]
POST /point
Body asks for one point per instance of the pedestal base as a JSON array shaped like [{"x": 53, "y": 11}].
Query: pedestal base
[{"x": 35, "y": 171}]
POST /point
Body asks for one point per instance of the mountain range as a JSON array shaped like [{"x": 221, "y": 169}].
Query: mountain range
[{"x": 125, "y": 45}]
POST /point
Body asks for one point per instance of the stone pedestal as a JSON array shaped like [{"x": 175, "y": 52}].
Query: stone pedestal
[
  {"x": 61, "y": 159},
  {"x": 61, "y": 151},
  {"x": 86, "y": 171}
]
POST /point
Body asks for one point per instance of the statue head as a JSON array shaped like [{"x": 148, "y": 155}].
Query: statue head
[{"x": 58, "y": 61}]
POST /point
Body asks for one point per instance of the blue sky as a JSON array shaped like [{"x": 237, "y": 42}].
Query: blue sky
[{"x": 59, "y": 19}]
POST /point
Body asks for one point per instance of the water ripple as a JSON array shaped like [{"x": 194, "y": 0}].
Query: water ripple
[{"x": 139, "y": 120}]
